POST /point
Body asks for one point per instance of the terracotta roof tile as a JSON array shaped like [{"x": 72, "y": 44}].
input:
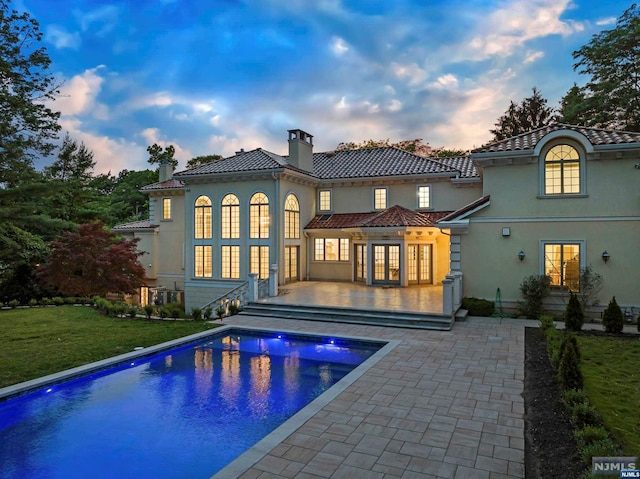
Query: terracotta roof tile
[
  {"x": 465, "y": 209},
  {"x": 394, "y": 217},
  {"x": 529, "y": 140}
]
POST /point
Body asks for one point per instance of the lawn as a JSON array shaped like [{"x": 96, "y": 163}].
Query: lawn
[
  {"x": 35, "y": 342},
  {"x": 610, "y": 366}
]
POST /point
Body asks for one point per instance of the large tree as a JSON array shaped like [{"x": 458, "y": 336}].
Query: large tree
[
  {"x": 27, "y": 124},
  {"x": 159, "y": 155},
  {"x": 413, "y": 146},
  {"x": 202, "y": 160},
  {"x": 92, "y": 261},
  {"x": 530, "y": 114},
  {"x": 127, "y": 202},
  {"x": 611, "y": 96}
]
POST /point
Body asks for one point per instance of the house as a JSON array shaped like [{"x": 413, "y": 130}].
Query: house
[
  {"x": 554, "y": 201},
  {"x": 364, "y": 215}
]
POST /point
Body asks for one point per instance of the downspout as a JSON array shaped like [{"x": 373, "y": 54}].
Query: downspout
[
  {"x": 307, "y": 255},
  {"x": 276, "y": 221}
]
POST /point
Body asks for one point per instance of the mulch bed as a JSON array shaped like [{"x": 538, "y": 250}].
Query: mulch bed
[{"x": 550, "y": 448}]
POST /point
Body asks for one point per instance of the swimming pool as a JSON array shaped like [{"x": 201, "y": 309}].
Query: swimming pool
[{"x": 185, "y": 412}]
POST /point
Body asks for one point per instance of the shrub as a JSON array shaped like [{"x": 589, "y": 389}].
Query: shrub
[
  {"x": 148, "y": 310},
  {"x": 554, "y": 341},
  {"x": 590, "y": 435},
  {"x": 575, "y": 396},
  {"x": 163, "y": 312},
  {"x": 45, "y": 301},
  {"x": 14, "y": 303},
  {"x": 132, "y": 312},
  {"x": 603, "y": 448},
  {"x": 573, "y": 315},
  {"x": 590, "y": 286},
  {"x": 58, "y": 301},
  {"x": 206, "y": 313},
  {"x": 546, "y": 323},
  {"x": 569, "y": 367},
  {"x": 584, "y": 414},
  {"x": 176, "y": 310},
  {"x": 70, "y": 300},
  {"x": 533, "y": 290},
  {"x": 478, "y": 307},
  {"x": 612, "y": 318},
  {"x": 638, "y": 323},
  {"x": 234, "y": 308},
  {"x": 221, "y": 311},
  {"x": 196, "y": 314},
  {"x": 33, "y": 302}
]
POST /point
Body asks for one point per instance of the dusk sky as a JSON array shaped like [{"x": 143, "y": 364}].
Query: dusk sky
[{"x": 214, "y": 76}]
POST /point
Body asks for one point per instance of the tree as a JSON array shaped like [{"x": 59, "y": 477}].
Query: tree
[
  {"x": 573, "y": 315},
  {"x": 532, "y": 113},
  {"x": 443, "y": 152},
  {"x": 203, "y": 160},
  {"x": 92, "y": 261},
  {"x": 611, "y": 97},
  {"x": 74, "y": 163},
  {"x": 612, "y": 318},
  {"x": 126, "y": 201},
  {"x": 27, "y": 125},
  {"x": 159, "y": 155},
  {"x": 414, "y": 146}
]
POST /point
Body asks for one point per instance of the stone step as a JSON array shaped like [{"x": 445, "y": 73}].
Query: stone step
[{"x": 404, "y": 319}]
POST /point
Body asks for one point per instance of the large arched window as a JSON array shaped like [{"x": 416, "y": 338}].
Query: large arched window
[
  {"x": 259, "y": 216},
  {"x": 202, "y": 218},
  {"x": 291, "y": 217},
  {"x": 230, "y": 217},
  {"x": 562, "y": 170}
]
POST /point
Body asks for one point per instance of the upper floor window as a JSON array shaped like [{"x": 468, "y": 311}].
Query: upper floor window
[
  {"x": 259, "y": 216},
  {"x": 562, "y": 265},
  {"x": 562, "y": 171},
  {"x": 166, "y": 209},
  {"x": 424, "y": 196},
  {"x": 230, "y": 217},
  {"x": 202, "y": 217},
  {"x": 379, "y": 198},
  {"x": 291, "y": 217},
  {"x": 324, "y": 200}
]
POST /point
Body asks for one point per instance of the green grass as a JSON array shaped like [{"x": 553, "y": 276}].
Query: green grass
[
  {"x": 611, "y": 368},
  {"x": 39, "y": 341}
]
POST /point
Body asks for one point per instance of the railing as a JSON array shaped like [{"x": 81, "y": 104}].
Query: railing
[
  {"x": 263, "y": 288},
  {"x": 229, "y": 300}
]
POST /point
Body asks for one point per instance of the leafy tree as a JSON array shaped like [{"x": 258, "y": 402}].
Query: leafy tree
[
  {"x": 533, "y": 290},
  {"x": 159, "y": 155},
  {"x": 573, "y": 315},
  {"x": 611, "y": 97},
  {"x": 448, "y": 152},
  {"x": 202, "y": 160},
  {"x": 126, "y": 201},
  {"x": 27, "y": 125},
  {"x": 75, "y": 163},
  {"x": 612, "y": 318},
  {"x": 530, "y": 114},
  {"x": 92, "y": 261},
  {"x": 414, "y": 146}
]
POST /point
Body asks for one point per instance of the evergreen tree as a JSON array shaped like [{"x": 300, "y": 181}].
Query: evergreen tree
[
  {"x": 612, "y": 318},
  {"x": 532, "y": 113},
  {"x": 159, "y": 155},
  {"x": 573, "y": 315},
  {"x": 569, "y": 370},
  {"x": 202, "y": 160}
]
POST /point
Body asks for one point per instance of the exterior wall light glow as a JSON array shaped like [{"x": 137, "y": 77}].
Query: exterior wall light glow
[
  {"x": 521, "y": 255},
  {"x": 605, "y": 256}
]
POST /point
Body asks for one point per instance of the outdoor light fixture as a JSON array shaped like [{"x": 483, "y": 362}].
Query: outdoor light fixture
[
  {"x": 521, "y": 255},
  {"x": 605, "y": 256}
]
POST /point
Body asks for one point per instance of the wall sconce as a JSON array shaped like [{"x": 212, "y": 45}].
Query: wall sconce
[
  {"x": 521, "y": 256},
  {"x": 605, "y": 256}
]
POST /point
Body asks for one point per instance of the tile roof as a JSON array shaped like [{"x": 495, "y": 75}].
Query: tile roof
[
  {"x": 394, "y": 217},
  {"x": 342, "y": 164},
  {"x": 171, "y": 184},
  {"x": 528, "y": 141},
  {"x": 135, "y": 225},
  {"x": 466, "y": 209}
]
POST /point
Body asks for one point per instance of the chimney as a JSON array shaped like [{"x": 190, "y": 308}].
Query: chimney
[
  {"x": 166, "y": 171},
  {"x": 301, "y": 150}
]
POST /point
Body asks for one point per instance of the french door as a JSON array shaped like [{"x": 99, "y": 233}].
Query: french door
[
  {"x": 386, "y": 263},
  {"x": 291, "y": 254},
  {"x": 361, "y": 263},
  {"x": 419, "y": 264}
]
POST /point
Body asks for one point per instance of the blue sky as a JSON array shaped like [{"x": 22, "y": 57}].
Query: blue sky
[{"x": 214, "y": 76}]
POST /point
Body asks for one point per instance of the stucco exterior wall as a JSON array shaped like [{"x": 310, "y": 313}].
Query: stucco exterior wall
[{"x": 169, "y": 243}]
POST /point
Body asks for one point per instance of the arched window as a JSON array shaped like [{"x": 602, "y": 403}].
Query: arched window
[
  {"x": 230, "y": 217},
  {"x": 259, "y": 216},
  {"x": 291, "y": 217},
  {"x": 562, "y": 171},
  {"x": 202, "y": 218}
]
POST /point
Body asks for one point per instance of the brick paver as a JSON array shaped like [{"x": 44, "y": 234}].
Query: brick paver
[{"x": 439, "y": 405}]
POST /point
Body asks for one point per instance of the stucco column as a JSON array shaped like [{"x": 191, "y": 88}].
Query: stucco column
[
  {"x": 273, "y": 280},
  {"x": 447, "y": 296},
  {"x": 253, "y": 288}
]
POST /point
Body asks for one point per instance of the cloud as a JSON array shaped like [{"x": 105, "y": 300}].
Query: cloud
[
  {"x": 339, "y": 46},
  {"x": 606, "y": 21},
  {"x": 445, "y": 81},
  {"x": 411, "y": 72},
  {"x": 78, "y": 95},
  {"x": 532, "y": 56},
  {"x": 153, "y": 135},
  {"x": 61, "y": 38},
  {"x": 101, "y": 20}
]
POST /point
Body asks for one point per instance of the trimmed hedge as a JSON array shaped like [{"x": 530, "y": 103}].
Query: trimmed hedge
[{"x": 478, "y": 307}]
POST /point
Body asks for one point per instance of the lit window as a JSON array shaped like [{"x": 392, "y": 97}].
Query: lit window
[
  {"x": 331, "y": 249},
  {"x": 562, "y": 171},
  {"x": 562, "y": 265},
  {"x": 424, "y": 197},
  {"x": 202, "y": 220},
  {"x": 325, "y": 200},
  {"x": 203, "y": 261},
  {"x": 379, "y": 198},
  {"x": 166, "y": 208},
  {"x": 291, "y": 217},
  {"x": 259, "y": 260},
  {"x": 230, "y": 217},
  {"x": 259, "y": 216},
  {"x": 230, "y": 258}
]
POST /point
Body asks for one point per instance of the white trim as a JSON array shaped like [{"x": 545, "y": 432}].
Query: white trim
[
  {"x": 373, "y": 197},
  {"x": 429, "y": 199},
  {"x": 563, "y": 219}
]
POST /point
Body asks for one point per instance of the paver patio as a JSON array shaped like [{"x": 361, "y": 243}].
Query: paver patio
[{"x": 439, "y": 405}]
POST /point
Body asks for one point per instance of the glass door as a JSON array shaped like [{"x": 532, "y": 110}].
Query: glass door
[
  {"x": 291, "y": 263},
  {"x": 419, "y": 264},
  {"x": 386, "y": 261},
  {"x": 361, "y": 263}
]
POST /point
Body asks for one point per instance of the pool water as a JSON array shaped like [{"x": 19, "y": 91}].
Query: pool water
[{"x": 184, "y": 413}]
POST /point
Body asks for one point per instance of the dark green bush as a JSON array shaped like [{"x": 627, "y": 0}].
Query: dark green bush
[
  {"x": 612, "y": 318},
  {"x": 590, "y": 435},
  {"x": 163, "y": 312},
  {"x": 569, "y": 368},
  {"x": 546, "y": 322},
  {"x": 176, "y": 310},
  {"x": 478, "y": 307},
  {"x": 58, "y": 301},
  {"x": 575, "y": 396},
  {"x": 148, "y": 310},
  {"x": 45, "y": 301},
  {"x": 206, "y": 313},
  {"x": 33, "y": 302},
  {"x": 573, "y": 315},
  {"x": 584, "y": 414},
  {"x": 234, "y": 308},
  {"x": 196, "y": 314},
  {"x": 533, "y": 290},
  {"x": 132, "y": 312},
  {"x": 603, "y": 448},
  {"x": 14, "y": 303}
]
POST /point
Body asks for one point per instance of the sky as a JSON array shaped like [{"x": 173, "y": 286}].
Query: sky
[{"x": 215, "y": 76}]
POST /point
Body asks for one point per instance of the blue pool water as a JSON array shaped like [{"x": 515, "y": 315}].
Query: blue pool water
[{"x": 183, "y": 413}]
